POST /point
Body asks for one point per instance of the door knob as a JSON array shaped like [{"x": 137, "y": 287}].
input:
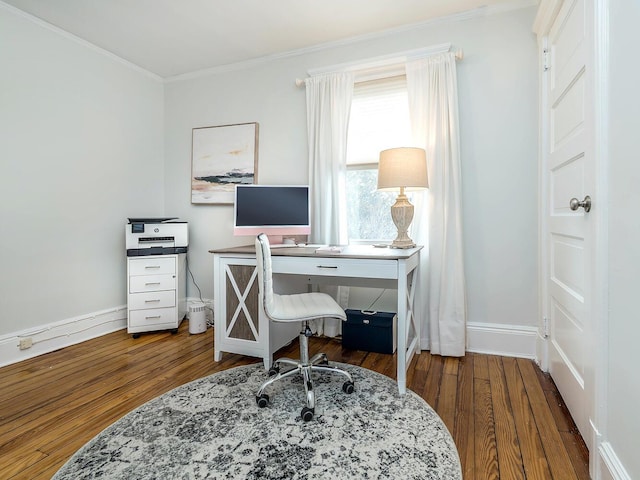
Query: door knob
[{"x": 575, "y": 204}]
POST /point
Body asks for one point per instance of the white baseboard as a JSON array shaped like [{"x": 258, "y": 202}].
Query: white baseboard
[
  {"x": 610, "y": 467},
  {"x": 489, "y": 338},
  {"x": 57, "y": 335},
  {"x": 53, "y": 336},
  {"x": 499, "y": 339}
]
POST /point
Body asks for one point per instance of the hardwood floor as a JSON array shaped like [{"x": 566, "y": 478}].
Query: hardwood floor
[{"x": 505, "y": 415}]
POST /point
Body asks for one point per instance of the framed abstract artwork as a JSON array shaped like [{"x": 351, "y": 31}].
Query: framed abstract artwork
[{"x": 222, "y": 157}]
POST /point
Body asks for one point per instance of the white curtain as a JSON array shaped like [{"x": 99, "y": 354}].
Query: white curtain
[
  {"x": 433, "y": 106},
  {"x": 328, "y": 105}
]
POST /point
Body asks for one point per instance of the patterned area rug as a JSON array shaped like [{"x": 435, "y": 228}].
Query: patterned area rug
[{"x": 212, "y": 428}]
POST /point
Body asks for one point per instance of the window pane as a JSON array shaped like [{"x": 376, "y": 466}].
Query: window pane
[
  {"x": 369, "y": 214},
  {"x": 379, "y": 120}
]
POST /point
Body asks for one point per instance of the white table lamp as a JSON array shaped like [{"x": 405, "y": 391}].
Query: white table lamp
[{"x": 404, "y": 168}]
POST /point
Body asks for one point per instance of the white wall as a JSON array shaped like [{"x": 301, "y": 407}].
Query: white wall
[
  {"x": 498, "y": 112},
  {"x": 80, "y": 151},
  {"x": 623, "y": 391}
]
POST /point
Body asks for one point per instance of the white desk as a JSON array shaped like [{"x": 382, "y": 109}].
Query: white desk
[{"x": 242, "y": 327}]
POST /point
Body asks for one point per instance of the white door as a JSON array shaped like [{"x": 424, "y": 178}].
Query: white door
[{"x": 568, "y": 173}]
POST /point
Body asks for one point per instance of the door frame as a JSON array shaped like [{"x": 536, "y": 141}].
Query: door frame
[{"x": 598, "y": 377}]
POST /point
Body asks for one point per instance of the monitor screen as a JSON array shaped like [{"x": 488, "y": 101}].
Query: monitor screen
[{"x": 271, "y": 209}]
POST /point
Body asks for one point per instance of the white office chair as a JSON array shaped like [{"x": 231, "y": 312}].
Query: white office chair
[{"x": 300, "y": 307}]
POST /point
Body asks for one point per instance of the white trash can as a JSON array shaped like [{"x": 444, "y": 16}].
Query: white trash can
[{"x": 197, "y": 318}]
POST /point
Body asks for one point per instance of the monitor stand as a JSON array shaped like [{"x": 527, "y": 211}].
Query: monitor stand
[
  {"x": 287, "y": 240},
  {"x": 275, "y": 239}
]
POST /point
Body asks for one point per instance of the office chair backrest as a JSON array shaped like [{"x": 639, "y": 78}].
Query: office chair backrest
[{"x": 265, "y": 280}]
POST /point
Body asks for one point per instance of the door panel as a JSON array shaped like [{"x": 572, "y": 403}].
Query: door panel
[
  {"x": 567, "y": 115},
  {"x": 568, "y": 33},
  {"x": 566, "y": 327},
  {"x": 568, "y": 266},
  {"x": 564, "y": 181}
]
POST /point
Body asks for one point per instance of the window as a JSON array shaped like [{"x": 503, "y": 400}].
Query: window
[{"x": 379, "y": 120}]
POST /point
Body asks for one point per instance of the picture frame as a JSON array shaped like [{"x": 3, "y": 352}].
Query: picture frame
[{"x": 221, "y": 157}]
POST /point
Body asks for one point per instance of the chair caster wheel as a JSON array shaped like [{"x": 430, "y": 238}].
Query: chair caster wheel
[
  {"x": 262, "y": 400},
  {"x": 347, "y": 387},
  {"x": 274, "y": 371},
  {"x": 306, "y": 414}
]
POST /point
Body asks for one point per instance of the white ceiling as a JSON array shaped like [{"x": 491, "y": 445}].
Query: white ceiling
[{"x": 174, "y": 37}]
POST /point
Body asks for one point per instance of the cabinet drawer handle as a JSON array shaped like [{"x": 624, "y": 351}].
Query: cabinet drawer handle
[
  {"x": 152, "y": 316},
  {"x": 152, "y": 283},
  {"x": 152, "y": 266},
  {"x": 152, "y": 301},
  {"x": 327, "y": 266}
]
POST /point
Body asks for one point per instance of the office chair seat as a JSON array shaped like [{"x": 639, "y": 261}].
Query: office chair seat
[
  {"x": 300, "y": 307},
  {"x": 304, "y": 306}
]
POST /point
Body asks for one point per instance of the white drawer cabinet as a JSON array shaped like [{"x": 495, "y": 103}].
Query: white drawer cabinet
[{"x": 156, "y": 293}]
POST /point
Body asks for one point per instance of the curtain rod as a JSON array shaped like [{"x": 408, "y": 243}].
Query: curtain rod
[{"x": 379, "y": 66}]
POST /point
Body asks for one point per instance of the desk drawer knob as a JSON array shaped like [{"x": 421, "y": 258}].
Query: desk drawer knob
[{"x": 328, "y": 266}]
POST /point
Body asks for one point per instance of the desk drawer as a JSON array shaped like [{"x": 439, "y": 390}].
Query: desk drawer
[
  {"x": 155, "y": 317},
  {"x": 152, "y": 265},
  {"x": 140, "y": 301},
  {"x": 336, "y": 267},
  {"x": 151, "y": 283}
]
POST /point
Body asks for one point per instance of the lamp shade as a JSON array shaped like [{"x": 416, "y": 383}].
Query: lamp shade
[{"x": 402, "y": 167}]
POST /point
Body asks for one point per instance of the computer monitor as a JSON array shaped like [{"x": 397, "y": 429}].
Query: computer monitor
[{"x": 276, "y": 210}]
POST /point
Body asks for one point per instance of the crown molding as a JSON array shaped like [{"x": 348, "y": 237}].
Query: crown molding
[
  {"x": 547, "y": 11},
  {"x": 79, "y": 41},
  {"x": 454, "y": 18}
]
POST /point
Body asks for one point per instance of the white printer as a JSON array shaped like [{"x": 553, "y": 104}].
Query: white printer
[
  {"x": 156, "y": 236},
  {"x": 156, "y": 274}
]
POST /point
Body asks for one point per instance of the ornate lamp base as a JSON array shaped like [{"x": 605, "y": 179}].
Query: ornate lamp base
[{"x": 402, "y": 215}]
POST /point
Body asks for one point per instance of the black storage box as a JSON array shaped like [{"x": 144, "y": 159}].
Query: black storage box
[{"x": 369, "y": 331}]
